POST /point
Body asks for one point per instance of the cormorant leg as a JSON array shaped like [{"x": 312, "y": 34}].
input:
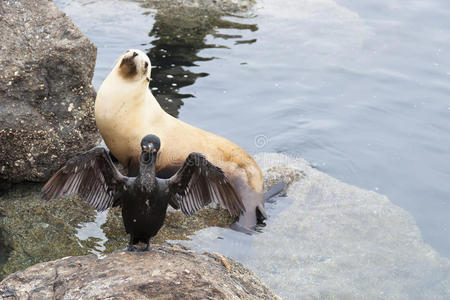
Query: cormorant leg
[
  {"x": 131, "y": 247},
  {"x": 148, "y": 246}
]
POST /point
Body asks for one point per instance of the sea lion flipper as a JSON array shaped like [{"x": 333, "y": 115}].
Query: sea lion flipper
[
  {"x": 238, "y": 227},
  {"x": 274, "y": 191}
]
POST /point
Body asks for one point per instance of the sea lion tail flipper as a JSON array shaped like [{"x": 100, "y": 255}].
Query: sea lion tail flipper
[
  {"x": 239, "y": 227},
  {"x": 274, "y": 190}
]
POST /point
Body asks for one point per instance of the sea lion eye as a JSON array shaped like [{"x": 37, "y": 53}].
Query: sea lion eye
[{"x": 146, "y": 64}]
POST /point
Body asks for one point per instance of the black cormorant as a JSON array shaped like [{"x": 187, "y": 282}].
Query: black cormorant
[{"x": 143, "y": 198}]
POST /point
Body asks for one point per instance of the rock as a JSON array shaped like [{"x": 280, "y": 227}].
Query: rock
[
  {"x": 165, "y": 272},
  {"x": 46, "y": 97}
]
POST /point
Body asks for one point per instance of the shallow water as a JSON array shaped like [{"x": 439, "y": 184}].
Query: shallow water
[{"x": 360, "y": 89}]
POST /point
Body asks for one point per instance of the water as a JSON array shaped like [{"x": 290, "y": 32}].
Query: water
[{"x": 358, "y": 88}]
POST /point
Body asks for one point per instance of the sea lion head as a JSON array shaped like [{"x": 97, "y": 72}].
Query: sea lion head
[{"x": 134, "y": 65}]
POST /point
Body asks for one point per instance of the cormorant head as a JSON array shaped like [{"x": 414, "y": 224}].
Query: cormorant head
[
  {"x": 134, "y": 64},
  {"x": 150, "y": 145}
]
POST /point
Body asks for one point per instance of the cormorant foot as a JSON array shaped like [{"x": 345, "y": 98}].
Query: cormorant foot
[
  {"x": 132, "y": 248},
  {"x": 147, "y": 248}
]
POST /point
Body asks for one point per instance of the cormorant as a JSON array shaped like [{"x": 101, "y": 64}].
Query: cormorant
[{"x": 143, "y": 198}]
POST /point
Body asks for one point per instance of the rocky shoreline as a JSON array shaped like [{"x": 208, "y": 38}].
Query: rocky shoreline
[{"x": 165, "y": 272}]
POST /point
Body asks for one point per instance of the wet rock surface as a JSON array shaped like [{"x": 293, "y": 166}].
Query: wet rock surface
[
  {"x": 46, "y": 97},
  {"x": 165, "y": 272}
]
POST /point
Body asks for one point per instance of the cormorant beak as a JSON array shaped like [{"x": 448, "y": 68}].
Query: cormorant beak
[
  {"x": 149, "y": 148},
  {"x": 147, "y": 152}
]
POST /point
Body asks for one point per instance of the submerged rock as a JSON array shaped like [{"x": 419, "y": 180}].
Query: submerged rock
[
  {"x": 332, "y": 240},
  {"x": 180, "y": 33},
  {"x": 46, "y": 97},
  {"x": 224, "y": 6},
  {"x": 165, "y": 272}
]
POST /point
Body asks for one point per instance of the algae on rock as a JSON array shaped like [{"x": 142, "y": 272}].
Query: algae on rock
[{"x": 33, "y": 230}]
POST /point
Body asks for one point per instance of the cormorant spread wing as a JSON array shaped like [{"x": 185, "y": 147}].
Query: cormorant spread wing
[
  {"x": 92, "y": 176},
  {"x": 198, "y": 182}
]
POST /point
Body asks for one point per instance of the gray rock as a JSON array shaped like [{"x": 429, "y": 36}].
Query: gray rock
[
  {"x": 46, "y": 97},
  {"x": 165, "y": 272}
]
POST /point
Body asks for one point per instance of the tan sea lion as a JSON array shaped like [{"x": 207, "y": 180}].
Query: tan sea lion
[{"x": 126, "y": 111}]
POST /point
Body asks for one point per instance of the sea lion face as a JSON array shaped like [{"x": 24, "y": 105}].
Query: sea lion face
[{"x": 134, "y": 64}]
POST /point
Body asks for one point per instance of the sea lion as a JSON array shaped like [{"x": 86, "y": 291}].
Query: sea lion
[{"x": 126, "y": 110}]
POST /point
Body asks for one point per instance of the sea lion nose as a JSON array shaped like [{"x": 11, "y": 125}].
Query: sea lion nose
[{"x": 134, "y": 54}]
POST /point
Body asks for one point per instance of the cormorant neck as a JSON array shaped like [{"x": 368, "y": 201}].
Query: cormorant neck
[{"x": 147, "y": 175}]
